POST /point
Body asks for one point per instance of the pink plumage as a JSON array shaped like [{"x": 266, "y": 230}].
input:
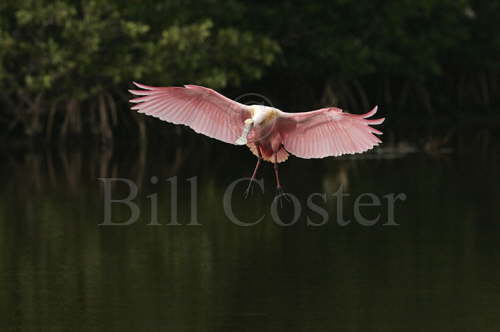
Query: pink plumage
[
  {"x": 270, "y": 134},
  {"x": 204, "y": 110},
  {"x": 330, "y": 132}
]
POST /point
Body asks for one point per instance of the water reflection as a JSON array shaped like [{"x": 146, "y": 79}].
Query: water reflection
[{"x": 436, "y": 271}]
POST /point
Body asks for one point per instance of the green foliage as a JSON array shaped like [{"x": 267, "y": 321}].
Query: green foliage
[
  {"x": 390, "y": 52},
  {"x": 96, "y": 45},
  {"x": 62, "y": 53},
  {"x": 70, "y": 50}
]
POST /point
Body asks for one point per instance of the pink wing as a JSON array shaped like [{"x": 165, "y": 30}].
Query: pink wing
[
  {"x": 328, "y": 132},
  {"x": 202, "y": 109}
]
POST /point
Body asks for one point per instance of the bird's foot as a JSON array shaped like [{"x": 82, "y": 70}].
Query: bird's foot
[
  {"x": 280, "y": 195},
  {"x": 249, "y": 190}
]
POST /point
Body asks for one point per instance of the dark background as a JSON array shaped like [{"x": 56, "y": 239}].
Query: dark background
[
  {"x": 433, "y": 68},
  {"x": 65, "y": 66}
]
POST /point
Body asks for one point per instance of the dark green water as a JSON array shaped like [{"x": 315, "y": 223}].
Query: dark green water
[{"x": 438, "y": 270}]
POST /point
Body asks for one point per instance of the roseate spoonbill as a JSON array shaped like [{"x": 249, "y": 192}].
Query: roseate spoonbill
[{"x": 272, "y": 135}]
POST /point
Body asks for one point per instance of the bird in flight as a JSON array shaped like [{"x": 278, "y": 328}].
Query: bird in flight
[{"x": 272, "y": 135}]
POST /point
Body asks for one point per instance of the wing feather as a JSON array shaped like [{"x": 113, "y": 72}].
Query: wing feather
[
  {"x": 202, "y": 109},
  {"x": 328, "y": 132}
]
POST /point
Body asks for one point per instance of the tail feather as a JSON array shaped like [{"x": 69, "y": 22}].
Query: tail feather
[{"x": 281, "y": 155}]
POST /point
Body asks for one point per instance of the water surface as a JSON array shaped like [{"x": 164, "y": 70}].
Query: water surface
[{"x": 436, "y": 271}]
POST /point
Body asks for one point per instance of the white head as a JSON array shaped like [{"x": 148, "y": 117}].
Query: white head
[{"x": 262, "y": 115}]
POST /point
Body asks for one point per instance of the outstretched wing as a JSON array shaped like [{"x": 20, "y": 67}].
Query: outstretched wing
[
  {"x": 328, "y": 132},
  {"x": 202, "y": 109}
]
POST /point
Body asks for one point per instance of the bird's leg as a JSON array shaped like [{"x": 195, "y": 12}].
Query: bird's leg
[
  {"x": 276, "y": 172},
  {"x": 279, "y": 188},
  {"x": 259, "y": 160}
]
